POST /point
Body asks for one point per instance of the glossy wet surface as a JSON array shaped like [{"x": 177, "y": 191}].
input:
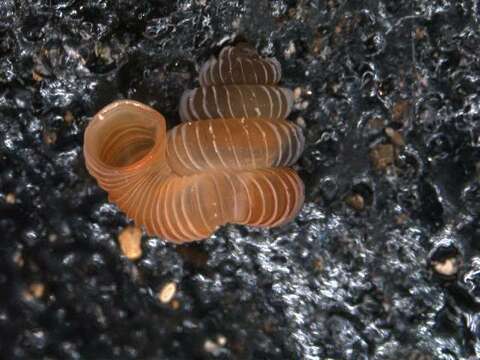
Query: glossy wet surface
[{"x": 383, "y": 262}]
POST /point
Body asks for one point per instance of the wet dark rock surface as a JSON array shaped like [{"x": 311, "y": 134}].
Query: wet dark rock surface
[{"x": 382, "y": 263}]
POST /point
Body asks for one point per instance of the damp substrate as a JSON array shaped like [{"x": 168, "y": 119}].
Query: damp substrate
[{"x": 383, "y": 261}]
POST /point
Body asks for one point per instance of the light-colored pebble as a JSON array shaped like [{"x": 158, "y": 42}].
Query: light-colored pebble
[
  {"x": 447, "y": 267},
  {"x": 130, "y": 242},
  {"x": 166, "y": 294},
  {"x": 10, "y": 198},
  {"x": 37, "y": 289}
]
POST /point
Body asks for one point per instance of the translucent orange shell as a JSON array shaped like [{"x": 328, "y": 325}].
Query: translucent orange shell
[{"x": 184, "y": 184}]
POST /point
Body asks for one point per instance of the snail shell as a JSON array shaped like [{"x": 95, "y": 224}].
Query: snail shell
[{"x": 231, "y": 167}]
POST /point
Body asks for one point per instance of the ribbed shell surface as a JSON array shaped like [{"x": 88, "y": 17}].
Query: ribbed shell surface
[
  {"x": 231, "y": 167},
  {"x": 236, "y": 101},
  {"x": 229, "y": 144},
  {"x": 240, "y": 65}
]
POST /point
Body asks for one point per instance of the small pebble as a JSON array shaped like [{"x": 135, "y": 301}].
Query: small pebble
[
  {"x": 400, "y": 111},
  {"x": 382, "y": 156},
  {"x": 175, "y": 304},
  {"x": 210, "y": 346},
  {"x": 37, "y": 290},
  {"x": 130, "y": 242},
  {"x": 167, "y": 293},
  {"x": 420, "y": 33},
  {"x": 355, "y": 201},
  {"x": 221, "y": 340},
  {"x": 214, "y": 347},
  {"x": 297, "y": 92},
  {"x": 49, "y": 137},
  {"x": 18, "y": 259},
  {"x": 317, "y": 45},
  {"x": 447, "y": 267},
  {"x": 10, "y": 198},
  {"x": 52, "y": 238},
  {"x": 36, "y": 76},
  {"x": 34, "y": 291},
  {"x": 68, "y": 117}
]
